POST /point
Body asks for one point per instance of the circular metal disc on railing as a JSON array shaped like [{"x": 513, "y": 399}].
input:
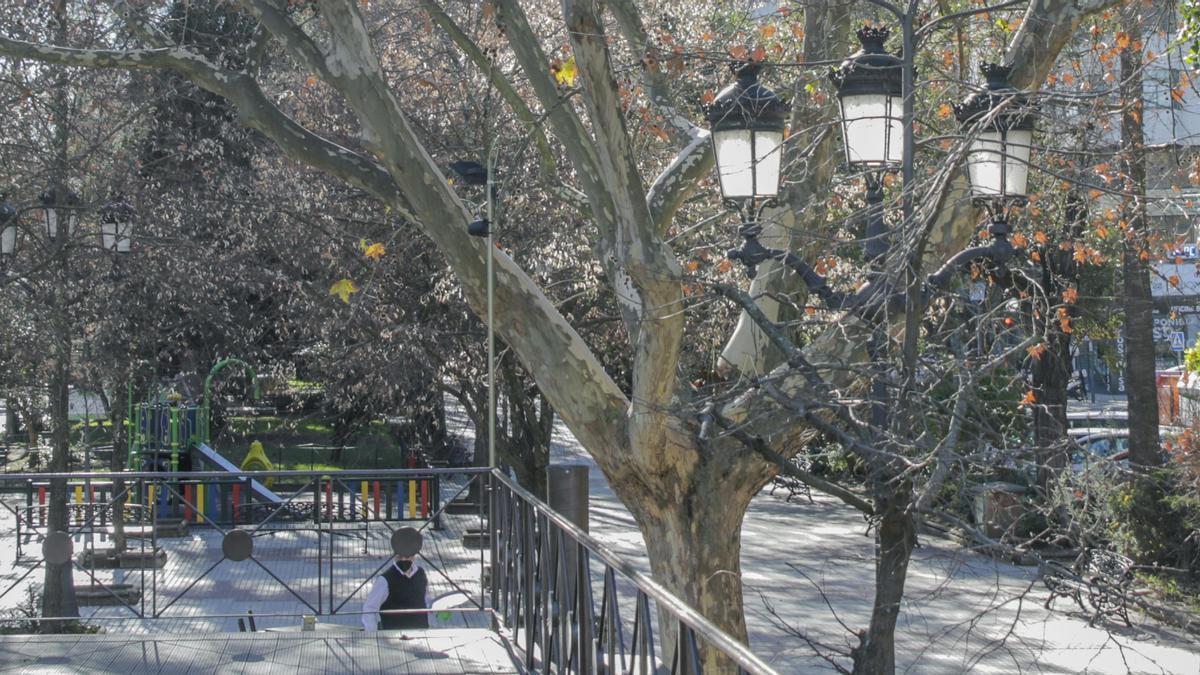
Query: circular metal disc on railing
[
  {"x": 406, "y": 542},
  {"x": 57, "y": 548},
  {"x": 237, "y": 545}
]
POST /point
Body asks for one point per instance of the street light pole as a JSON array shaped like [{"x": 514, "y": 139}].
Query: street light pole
[
  {"x": 473, "y": 173},
  {"x": 491, "y": 309}
]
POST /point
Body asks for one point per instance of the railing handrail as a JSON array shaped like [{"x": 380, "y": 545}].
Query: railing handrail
[
  {"x": 189, "y": 475},
  {"x": 684, "y": 612}
]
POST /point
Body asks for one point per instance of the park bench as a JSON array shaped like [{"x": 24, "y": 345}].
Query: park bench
[
  {"x": 794, "y": 486},
  {"x": 1101, "y": 577}
]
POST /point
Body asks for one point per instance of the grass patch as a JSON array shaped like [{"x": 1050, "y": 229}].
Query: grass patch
[{"x": 299, "y": 442}]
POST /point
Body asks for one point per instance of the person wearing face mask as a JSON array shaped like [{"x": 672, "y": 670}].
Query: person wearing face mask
[{"x": 401, "y": 585}]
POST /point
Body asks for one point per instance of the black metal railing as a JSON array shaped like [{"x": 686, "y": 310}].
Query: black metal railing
[
  {"x": 570, "y": 604},
  {"x": 318, "y": 538},
  {"x": 544, "y": 584}
]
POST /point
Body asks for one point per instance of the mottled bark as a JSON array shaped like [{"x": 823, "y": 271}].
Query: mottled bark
[{"x": 692, "y": 531}]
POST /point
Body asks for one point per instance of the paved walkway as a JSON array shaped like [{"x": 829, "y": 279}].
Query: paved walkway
[
  {"x": 426, "y": 652},
  {"x": 808, "y": 568}
]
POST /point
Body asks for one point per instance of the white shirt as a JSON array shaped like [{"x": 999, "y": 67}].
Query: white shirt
[{"x": 378, "y": 595}]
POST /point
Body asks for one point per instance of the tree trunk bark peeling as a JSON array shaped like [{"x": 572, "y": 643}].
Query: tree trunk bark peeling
[{"x": 692, "y": 529}]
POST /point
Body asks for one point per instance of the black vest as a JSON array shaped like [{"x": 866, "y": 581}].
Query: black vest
[{"x": 404, "y": 593}]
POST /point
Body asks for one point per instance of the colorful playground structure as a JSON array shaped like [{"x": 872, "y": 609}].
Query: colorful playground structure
[{"x": 169, "y": 435}]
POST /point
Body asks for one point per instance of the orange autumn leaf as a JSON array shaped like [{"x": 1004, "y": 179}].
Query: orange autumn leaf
[
  {"x": 1173, "y": 280},
  {"x": 724, "y": 266},
  {"x": 1028, "y": 399},
  {"x": 375, "y": 251},
  {"x": 1071, "y": 295},
  {"x": 1037, "y": 350},
  {"x": 693, "y": 265},
  {"x": 945, "y": 111},
  {"x": 738, "y": 52},
  {"x": 767, "y": 31},
  {"x": 798, "y": 31},
  {"x": 1037, "y": 257},
  {"x": 1065, "y": 325},
  {"x": 1123, "y": 40},
  {"x": 1080, "y": 255},
  {"x": 709, "y": 96},
  {"x": 760, "y": 54},
  {"x": 1019, "y": 240},
  {"x": 1040, "y": 237}
]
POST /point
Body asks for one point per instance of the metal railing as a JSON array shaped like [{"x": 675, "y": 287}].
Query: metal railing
[
  {"x": 546, "y": 577},
  {"x": 538, "y": 574},
  {"x": 315, "y": 544}
]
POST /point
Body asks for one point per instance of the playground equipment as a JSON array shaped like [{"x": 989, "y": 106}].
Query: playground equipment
[
  {"x": 164, "y": 432},
  {"x": 169, "y": 435}
]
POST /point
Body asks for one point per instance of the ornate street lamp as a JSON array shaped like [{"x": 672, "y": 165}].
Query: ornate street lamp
[
  {"x": 999, "y": 121},
  {"x": 870, "y": 88},
  {"x": 60, "y": 211},
  {"x": 870, "y": 94},
  {"x": 747, "y": 122},
  {"x": 8, "y": 227},
  {"x": 116, "y": 224}
]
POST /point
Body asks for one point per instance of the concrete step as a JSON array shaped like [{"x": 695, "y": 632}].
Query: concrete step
[
  {"x": 108, "y": 595},
  {"x": 461, "y": 507},
  {"x": 106, "y": 558},
  {"x": 476, "y": 539}
]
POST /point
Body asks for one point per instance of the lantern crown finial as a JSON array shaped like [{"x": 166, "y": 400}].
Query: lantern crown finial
[
  {"x": 7, "y": 211},
  {"x": 744, "y": 69},
  {"x": 746, "y": 103},
  {"x": 996, "y": 75},
  {"x": 1017, "y": 115},
  {"x": 872, "y": 38},
  {"x": 870, "y": 70}
]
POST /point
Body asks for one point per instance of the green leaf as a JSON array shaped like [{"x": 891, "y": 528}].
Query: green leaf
[{"x": 343, "y": 288}]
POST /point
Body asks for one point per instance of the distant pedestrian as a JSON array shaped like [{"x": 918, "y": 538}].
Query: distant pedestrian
[{"x": 402, "y": 585}]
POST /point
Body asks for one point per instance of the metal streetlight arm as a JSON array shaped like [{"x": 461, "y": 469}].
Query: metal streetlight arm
[
  {"x": 999, "y": 252},
  {"x": 753, "y": 253}
]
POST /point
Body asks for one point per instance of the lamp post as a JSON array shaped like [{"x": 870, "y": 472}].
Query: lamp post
[
  {"x": 8, "y": 227},
  {"x": 746, "y": 120},
  {"x": 473, "y": 173},
  {"x": 60, "y": 213},
  {"x": 1001, "y": 123},
  {"x": 876, "y": 94},
  {"x": 116, "y": 224},
  {"x": 870, "y": 86}
]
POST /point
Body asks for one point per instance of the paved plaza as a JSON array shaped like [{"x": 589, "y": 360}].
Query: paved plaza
[
  {"x": 469, "y": 651},
  {"x": 296, "y": 569}
]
